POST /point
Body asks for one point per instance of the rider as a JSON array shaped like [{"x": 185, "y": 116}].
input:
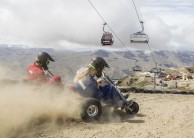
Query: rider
[
  {"x": 38, "y": 70},
  {"x": 87, "y": 83}
]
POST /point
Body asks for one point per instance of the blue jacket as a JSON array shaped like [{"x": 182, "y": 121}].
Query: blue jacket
[{"x": 87, "y": 87}]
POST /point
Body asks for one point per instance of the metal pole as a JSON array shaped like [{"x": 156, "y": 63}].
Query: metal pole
[{"x": 155, "y": 77}]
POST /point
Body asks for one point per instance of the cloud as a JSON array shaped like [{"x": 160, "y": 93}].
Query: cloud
[
  {"x": 48, "y": 22},
  {"x": 167, "y": 23}
]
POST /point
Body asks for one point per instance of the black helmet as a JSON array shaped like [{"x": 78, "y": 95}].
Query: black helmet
[
  {"x": 99, "y": 64},
  {"x": 43, "y": 58}
]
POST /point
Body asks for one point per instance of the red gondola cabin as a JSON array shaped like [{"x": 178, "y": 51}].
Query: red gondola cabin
[{"x": 107, "y": 39}]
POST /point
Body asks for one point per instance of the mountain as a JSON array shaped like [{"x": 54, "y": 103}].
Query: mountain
[{"x": 16, "y": 59}]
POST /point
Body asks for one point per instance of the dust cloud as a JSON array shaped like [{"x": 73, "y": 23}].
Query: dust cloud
[
  {"x": 22, "y": 105},
  {"x": 25, "y": 106}
]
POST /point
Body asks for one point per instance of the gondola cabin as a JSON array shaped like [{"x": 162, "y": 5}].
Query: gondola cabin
[
  {"x": 139, "y": 37},
  {"x": 107, "y": 39}
]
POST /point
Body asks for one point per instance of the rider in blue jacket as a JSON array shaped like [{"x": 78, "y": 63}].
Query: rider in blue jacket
[{"x": 87, "y": 83}]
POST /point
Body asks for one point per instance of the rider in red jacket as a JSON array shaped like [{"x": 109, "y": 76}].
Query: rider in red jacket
[
  {"x": 35, "y": 72},
  {"x": 39, "y": 68},
  {"x": 38, "y": 71}
]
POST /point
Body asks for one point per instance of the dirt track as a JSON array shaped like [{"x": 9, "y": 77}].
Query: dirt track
[{"x": 160, "y": 115}]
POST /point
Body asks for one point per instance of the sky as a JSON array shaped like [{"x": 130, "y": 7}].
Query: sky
[{"x": 74, "y": 24}]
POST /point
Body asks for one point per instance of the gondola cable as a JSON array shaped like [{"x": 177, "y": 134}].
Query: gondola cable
[
  {"x": 143, "y": 28},
  {"x": 141, "y": 23},
  {"x": 136, "y": 11},
  {"x": 116, "y": 34},
  {"x": 108, "y": 25},
  {"x": 110, "y": 28}
]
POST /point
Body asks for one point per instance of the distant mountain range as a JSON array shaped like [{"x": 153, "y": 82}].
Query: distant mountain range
[{"x": 68, "y": 62}]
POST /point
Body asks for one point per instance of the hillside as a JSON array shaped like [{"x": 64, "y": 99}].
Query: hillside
[{"x": 67, "y": 62}]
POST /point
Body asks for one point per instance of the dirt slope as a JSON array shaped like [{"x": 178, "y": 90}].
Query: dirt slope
[{"x": 160, "y": 115}]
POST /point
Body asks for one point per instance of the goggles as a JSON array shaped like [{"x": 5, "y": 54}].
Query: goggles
[{"x": 91, "y": 66}]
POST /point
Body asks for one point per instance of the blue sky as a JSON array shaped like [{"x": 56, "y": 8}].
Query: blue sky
[{"x": 75, "y": 24}]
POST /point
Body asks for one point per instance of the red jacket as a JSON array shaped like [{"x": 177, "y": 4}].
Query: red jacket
[{"x": 35, "y": 72}]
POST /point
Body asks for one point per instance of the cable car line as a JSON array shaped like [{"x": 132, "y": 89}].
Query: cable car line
[
  {"x": 108, "y": 25},
  {"x": 152, "y": 54},
  {"x": 110, "y": 29},
  {"x": 136, "y": 10},
  {"x": 141, "y": 23},
  {"x": 113, "y": 31}
]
